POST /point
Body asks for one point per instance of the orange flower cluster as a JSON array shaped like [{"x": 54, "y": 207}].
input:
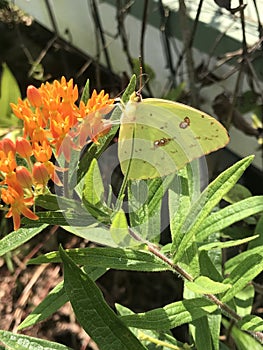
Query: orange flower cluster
[{"x": 53, "y": 125}]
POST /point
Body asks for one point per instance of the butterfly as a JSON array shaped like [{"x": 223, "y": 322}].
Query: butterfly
[{"x": 158, "y": 137}]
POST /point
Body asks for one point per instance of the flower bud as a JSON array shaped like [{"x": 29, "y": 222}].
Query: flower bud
[
  {"x": 40, "y": 174},
  {"x": 34, "y": 96},
  {"x": 23, "y": 147},
  {"x": 7, "y": 145},
  {"x": 24, "y": 177}
]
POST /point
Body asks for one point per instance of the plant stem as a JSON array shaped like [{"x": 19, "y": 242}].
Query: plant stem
[{"x": 224, "y": 307}]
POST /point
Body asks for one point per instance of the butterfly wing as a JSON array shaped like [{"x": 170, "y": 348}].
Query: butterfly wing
[{"x": 158, "y": 137}]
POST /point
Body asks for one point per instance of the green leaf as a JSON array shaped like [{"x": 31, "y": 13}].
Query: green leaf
[
  {"x": 258, "y": 230},
  {"x": 237, "y": 193},
  {"x": 226, "y": 244},
  {"x": 237, "y": 260},
  {"x": 24, "y": 342},
  {"x": 242, "y": 275},
  {"x": 175, "y": 93},
  {"x": 209, "y": 265},
  {"x": 94, "y": 233},
  {"x": 91, "y": 310},
  {"x": 55, "y": 299},
  {"x": 10, "y": 92},
  {"x": 114, "y": 258},
  {"x": 85, "y": 93},
  {"x": 179, "y": 204},
  {"x": 93, "y": 193},
  {"x": 244, "y": 300},
  {"x": 204, "y": 285},
  {"x": 242, "y": 340},
  {"x": 171, "y": 315},
  {"x": 120, "y": 232},
  {"x": 209, "y": 198},
  {"x": 67, "y": 211},
  {"x": 130, "y": 89},
  {"x": 198, "y": 329},
  {"x": 251, "y": 323},
  {"x": 145, "y": 199},
  {"x": 214, "y": 322},
  {"x": 154, "y": 340},
  {"x": 17, "y": 238},
  {"x": 227, "y": 216}
]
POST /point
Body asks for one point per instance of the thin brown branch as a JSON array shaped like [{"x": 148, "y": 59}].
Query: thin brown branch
[
  {"x": 185, "y": 275},
  {"x": 121, "y": 12},
  {"x": 186, "y": 35}
]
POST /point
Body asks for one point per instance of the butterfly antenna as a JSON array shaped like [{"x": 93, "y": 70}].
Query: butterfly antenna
[{"x": 140, "y": 87}]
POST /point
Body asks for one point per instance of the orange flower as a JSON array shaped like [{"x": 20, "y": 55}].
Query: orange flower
[
  {"x": 34, "y": 96},
  {"x": 42, "y": 151},
  {"x": 24, "y": 177},
  {"x": 7, "y": 161},
  {"x": 18, "y": 205},
  {"x": 23, "y": 147},
  {"x": 40, "y": 174},
  {"x": 94, "y": 124},
  {"x": 7, "y": 145}
]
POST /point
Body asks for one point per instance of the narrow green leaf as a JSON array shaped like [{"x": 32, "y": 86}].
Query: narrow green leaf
[
  {"x": 85, "y": 93},
  {"x": 17, "y": 238},
  {"x": 62, "y": 218},
  {"x": 154, "y": 340},
  {"x": 226, "y": 244},
  {"x": 10, "y": 92},
  {"x": 199, "y": 328},
  {"x": 204, "y": 285},
  {"x": 94, "y": 233},
  {"x": 237, "y": 193},
  {"x": 209, "y": 265},
  {"x": 114, "y": 258},
  {"x": 120, "y": 232},
  {"x": 73, "y": 212},
  {"x": 130, "y": 89},
  {"x": 242, "y": 275},
  {"x": 24, "y": 342},
  {"x": 95, "y": 316},
  {"x": 145, "y": 199},
  {"x": 251, "y": 323},
  {"x": 172, "y": 315},
  {"x": 242, "y": 340},
  {"x": 229, "y": 215},
  {"x": 258, "y": 230},
  {"x": 232, "y": 263},
  {"x": 209, "y": 198},
  {"x": 93, "y": 193},
  {"x": 179, "y": 204},
  {"x": 214, "y": 323},
  {"x": 244, "y": 300},
  {"x": 55, "y": 299}
]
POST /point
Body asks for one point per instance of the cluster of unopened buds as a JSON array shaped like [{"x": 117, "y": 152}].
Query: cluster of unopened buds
[{"x": 53, "y": 124}]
